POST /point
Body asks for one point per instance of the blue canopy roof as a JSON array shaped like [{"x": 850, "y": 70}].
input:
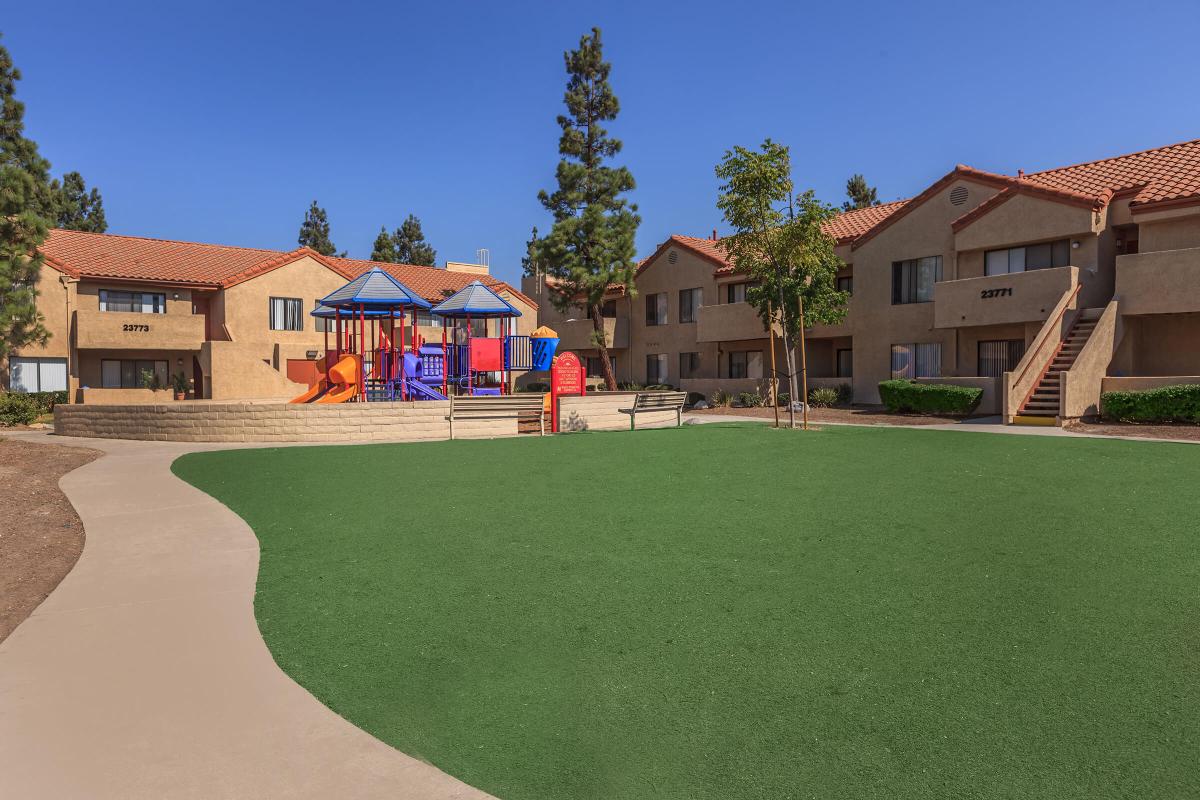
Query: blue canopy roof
[
  {"x": 475, "y": 300},
  {"x": 374, "y": 288},
  {"x": 328, "y": 312}
]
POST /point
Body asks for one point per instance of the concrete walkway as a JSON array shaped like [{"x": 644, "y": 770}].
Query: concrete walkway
[{"x": 143, "y": 675}]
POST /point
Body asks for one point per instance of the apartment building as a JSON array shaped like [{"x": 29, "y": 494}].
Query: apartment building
[
  {"x": 1041, "y": 288},
  {"x": 234, "y": 320}
]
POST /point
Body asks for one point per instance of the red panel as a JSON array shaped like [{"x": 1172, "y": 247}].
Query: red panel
[{"x": 486, "y": 355}]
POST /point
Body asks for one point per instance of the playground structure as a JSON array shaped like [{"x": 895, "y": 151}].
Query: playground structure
[{"x": 377, "y": 356}]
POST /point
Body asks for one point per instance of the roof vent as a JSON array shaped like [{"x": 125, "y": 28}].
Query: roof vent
[
  {"x": 958, "y": 195},
  {"x": 672, "y": 256}
]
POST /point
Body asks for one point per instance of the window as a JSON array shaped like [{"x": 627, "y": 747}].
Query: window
[
  {"x": 689, "y": 302},
  {"x": 913, "y": 280},
  {"x": 689, "y": 365},
  {"x": 746, "y": 364},
  {"x": 594, "y": 368},
  {"x": 37, "y": 374},
  {"x": 736, "y": 292},
  {"x": 656, "y": 309},
  {"x": 845, "y": 363},
  {"x": 426, "y": 319},
  {"x": 286, "y": 314},
  {"x": 135, "y": 302},
  {"x": 127, "y": 374},
  {"x": 846, "y": 284},
  {"x": 608, "y": 309},
  {"x": 656, "y": 368},
  {"x": 917, "y": 360},
  {"x": 999, "y": 356},
  {"x": 320, "y": 324},
  {"x": 1031, "y": 256}
]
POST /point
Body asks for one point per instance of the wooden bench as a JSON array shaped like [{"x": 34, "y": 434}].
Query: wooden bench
[
  {"x": 512, "y": 406},
  {"x": 656, "y": 401}
]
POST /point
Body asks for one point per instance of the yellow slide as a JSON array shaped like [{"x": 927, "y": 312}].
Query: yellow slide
[{"x": 343, "y": 377}]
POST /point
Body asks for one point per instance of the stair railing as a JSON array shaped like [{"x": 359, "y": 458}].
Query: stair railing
[{"x": 1015, "y": 386}]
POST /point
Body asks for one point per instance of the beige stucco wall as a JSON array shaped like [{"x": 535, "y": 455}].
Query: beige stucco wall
[
  {"x": 1161, "y": 282},
  {"x": 245, "y": 307},
  {"x": 125, "y": 397},
  {"x": 52, "y": 302},
  {"x": 1163, "y": 232},
  {"x": 878, "y": 324},
  {"x": 1158, "y": 344},
  {"x": 1026, "y": 219}
]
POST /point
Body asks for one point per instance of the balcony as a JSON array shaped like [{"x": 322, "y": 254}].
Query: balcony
[
  {"x": 729, "y": 322},
  {"x": 576, "y": 334},
  {"x": 1162, "y": 282},
  {"x": 119, "y": 330},
  {"x": 1001, "y": 299}
]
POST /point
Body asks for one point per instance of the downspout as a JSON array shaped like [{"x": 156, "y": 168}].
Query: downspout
[{"x": 72, "y": 361}]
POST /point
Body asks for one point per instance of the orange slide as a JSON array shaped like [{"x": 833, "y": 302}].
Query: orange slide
[{"x": 339, "y": 386}]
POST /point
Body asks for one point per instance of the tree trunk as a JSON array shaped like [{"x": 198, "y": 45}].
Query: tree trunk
[
  {"x": 789, "y": 355},
  {"x": 610, "y": 380}
]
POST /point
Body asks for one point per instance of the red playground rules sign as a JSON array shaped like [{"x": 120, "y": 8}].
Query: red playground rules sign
[{"x": 566, "y": 378}]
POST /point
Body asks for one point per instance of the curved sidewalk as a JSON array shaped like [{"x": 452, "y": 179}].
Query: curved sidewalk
[{"x": 143, "y": 675}]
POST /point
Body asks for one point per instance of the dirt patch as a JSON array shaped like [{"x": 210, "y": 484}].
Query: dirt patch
[
  {"x": 861, "y": 415},
  {"x": 1181, "y": 432},
  {"x": 42, "y": 536}
]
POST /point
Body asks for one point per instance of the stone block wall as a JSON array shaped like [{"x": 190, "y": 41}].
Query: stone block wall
[{"x": 274, "y": 422}]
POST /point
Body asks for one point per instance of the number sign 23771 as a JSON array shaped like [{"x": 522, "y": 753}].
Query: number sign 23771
[{"x": 987, "y": 294}]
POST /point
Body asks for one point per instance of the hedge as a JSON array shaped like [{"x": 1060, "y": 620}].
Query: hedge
[
  {"x": 1166, "y": 404},
  {"x": 928, "y": 398}
]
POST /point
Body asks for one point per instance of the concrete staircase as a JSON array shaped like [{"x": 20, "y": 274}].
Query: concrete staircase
[{"x": 1044, "y": 404}]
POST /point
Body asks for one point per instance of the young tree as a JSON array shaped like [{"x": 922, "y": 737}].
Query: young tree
[
  {"x": 861, "y": 195},
  {"x": 590, "y": 246},
  {"x": 26, "y": 207},
  {"x": 779, "y": 242},
  {"x": 314, "y": 231},
  {"x": 79, "y": 209}
]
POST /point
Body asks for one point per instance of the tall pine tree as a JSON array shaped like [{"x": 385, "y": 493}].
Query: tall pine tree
[
  {"x": 26, "y": 208},
  {"x": 590, "y": 246},
  {"x": 405, "y": 245},
  {"x": 861, "y": 195},
  {"x": 411, "y": 247},
  {"x": 78, "y": 208},
  {"x": 384, "y": 248},
  {"x": 314, "y": 231}
]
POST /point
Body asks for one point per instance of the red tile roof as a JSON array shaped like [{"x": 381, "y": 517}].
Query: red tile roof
[
  {"x": 431, "y": 283},
  {"x": 135, "y": 258},
  {"x": 1165, "y": 175},
  {"x": 849, "y": 225}
]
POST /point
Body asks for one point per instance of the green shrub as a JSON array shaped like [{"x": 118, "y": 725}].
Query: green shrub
[
  {"x": 46, "y": 401},
  {"x": 660, "y": 387},
  {"x": 928, "y": 398},
  {"x": 822, "y": 397},
  {"x": 629, "y": 387},
  {"x": 720, "y": 399},
  {"x": 1165, "y": 404},
  {"x": 784, "y": 399},
  {"x": 18, "y": 409},
  {"x": 749, "y": 399}
]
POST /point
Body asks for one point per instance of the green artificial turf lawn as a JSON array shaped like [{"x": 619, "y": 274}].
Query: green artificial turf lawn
[{"x": 739, "y": 612}]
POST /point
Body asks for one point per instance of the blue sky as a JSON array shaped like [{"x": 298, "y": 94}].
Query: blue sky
[{"x": 221, "y": 122}]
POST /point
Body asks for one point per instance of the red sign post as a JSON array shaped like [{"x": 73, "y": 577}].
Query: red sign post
[{"x": 566, "y": 380}]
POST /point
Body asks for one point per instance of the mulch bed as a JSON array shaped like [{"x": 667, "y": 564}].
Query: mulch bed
[
  {"x": 1182, "y": 432},
  {"x": 861, "y": 415},
  {"x": 42, "y": 536}
]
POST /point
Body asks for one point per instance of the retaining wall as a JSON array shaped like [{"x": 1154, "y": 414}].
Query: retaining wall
[
  {"x": 273, "y": 422},
  {"x": 598, "y": 412}
]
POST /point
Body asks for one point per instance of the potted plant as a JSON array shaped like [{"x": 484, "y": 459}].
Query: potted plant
[{"x": 180, "y": 382}]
